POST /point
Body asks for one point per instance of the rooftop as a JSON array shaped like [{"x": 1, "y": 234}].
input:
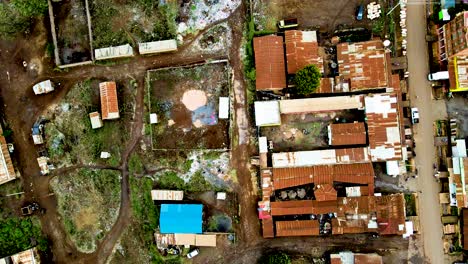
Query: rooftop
[
  {"x": 109, "y": 103},
  {"x": 355, "y": 258},
  {"x": 323, "y": 104},
  {"x": 383, "y": 127},
  {"x": 365, "y": 65},
  {"x": 269, "y": 63},
  {"x": 267, "y": 113},
  {"x": 7, "y": 171},
  {"x": 347, "y": 134},
  {"x": 181, "y": 219},
  {"x": 302, "y": 50},
  {"x": 320, "y": 157}
]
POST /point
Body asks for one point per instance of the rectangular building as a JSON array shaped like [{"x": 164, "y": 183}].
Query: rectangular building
[
  {"x": 7, "y": 171},
  {"x": 157, "y": 46},
  {"x": 347, "y": 134},
  {"x": 269, "y": 63},
  {"x": 96, "y": 121},
  {"x": 167, "y": 195},
  {"x": 181, "y": 218},
  {"x": 109, "y": 102},
  {"x": 302, "y": 50}
]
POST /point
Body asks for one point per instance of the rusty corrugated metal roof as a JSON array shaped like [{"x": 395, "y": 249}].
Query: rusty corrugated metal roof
[
  {"x": 325, "y": 192},
  {"x": 464, "y": 228},
  {"x": 109, "y": 103},
  {"x": 301, "y": 51},
  {"x": 360, "y": 173},
  {"x": 326, "y": 85},
  {"x": 267, "y": 227},
  {"x": 269, "y": 63},
  {"x": 7, "y": 171},
  {"x": 365, "y": 64},
  {"x": 292, "y": 207},
  {"x": 367, "y": 259},
  {"x": 297, "y": 228},
  {"x": 348, "y": 134}
]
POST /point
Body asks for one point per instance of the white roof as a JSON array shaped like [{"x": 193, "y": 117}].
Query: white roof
[
  {"x": 309, "y": 36},
  {"x": 409, "y": 229},
  {"x": 42, "y": 162},
  {"x": 157, "y": 46},
  {"x": 267, "y": 113},
  {"x": 96, "y": 121},
  {"x": 304, "y": 158},
  {"x": 43, "y": 87},
  {"x": 392, "y": 168},
  {"x": 153, "y": 118},
  {"x": 37, "y": 139},
  {"x": 224, "y": 107},
  {"x": 167, "y": 195},
  {"x": 114, "y": 52},
  {"x": 354, "y": 191},
  {"x": 221, "y": 196},
  {"x": 262, "y": 145},
  {"x": 459, "y": 150},
  {"x": 105, "y": 155}
]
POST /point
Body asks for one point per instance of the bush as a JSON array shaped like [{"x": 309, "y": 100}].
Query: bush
[
  {"x": 307, "y": 80},
  {"x": 17, "y": 235},
  {"x": 18, "y": 15},
  {"x": 277, "y": 258}
]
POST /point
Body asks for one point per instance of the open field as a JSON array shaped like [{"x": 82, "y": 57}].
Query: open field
[
  {"x": 186, "y": 102},
  {"x": 121, "y": 22},
  {"x": 72, "y": 31},
  {"x": 70, "y": 138},
  {"x": 306, "y": 131},
  {"x": 88, "y": 202}
]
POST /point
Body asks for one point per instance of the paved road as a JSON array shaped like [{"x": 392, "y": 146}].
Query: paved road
[{"x": 429, "y": 209}]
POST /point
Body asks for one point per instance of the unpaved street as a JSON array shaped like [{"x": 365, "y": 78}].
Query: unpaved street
[{"x": 429, "y": 110}]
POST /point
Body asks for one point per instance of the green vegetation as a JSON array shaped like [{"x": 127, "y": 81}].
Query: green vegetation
[
  {"x": 17, "y": 235},
  {"x": 70, "y": 138},
  {"x": 276, "y": 258},
  {"x": 131, "y": 21},
  {"x": 17, "y": 16},
  {"x": 135, "y": 165},
  {"x": 410, "y": 203},
  {"x": 170, "y": 180},
  {"x": 88, "y": 201},
  {"x": 307, "y": 80}
]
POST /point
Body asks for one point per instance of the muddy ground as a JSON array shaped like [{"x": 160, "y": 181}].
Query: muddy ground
[
  {"x": 22, "y": 108},
  {"x": 194, "y": 126}
]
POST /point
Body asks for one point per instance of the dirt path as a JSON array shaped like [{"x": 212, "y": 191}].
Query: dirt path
[{"x": 418, "y": 67}]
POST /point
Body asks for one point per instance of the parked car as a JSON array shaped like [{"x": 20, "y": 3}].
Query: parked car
[
  {"x": 436, "y": 76},
  {"x": 287, "y": 23},
  {"x": 360, "y": 12},
  {"x": 193, "y": 253},
  {"x": 414, "y": 115}
]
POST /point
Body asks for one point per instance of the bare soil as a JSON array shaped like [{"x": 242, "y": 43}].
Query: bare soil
[{"x": 179, "y": 127}]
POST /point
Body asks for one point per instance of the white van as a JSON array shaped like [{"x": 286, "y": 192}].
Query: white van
[{"x": 441, "y": 75}]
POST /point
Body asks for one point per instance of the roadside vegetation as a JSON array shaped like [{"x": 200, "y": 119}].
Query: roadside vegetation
[
  {"x": 18, "y": 16},
  {"x": 19, "y": 234},
  {"x": 89, "y": 202},
  {"x": 121, "y": 22}
]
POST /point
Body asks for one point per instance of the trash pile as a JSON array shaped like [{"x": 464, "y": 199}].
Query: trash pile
[{"x": 373, "y": 11}]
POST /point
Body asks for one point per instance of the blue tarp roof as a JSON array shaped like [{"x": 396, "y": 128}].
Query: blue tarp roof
[
  {"x": 181, "y": 218},
  {"x": 446, "y": 4}
]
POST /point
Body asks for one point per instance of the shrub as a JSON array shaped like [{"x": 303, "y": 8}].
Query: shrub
[
  {"x": 277, "y": 258},
  {"x": 307, "y": 80}
]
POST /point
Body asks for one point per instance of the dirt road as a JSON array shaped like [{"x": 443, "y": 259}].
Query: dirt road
[{"x": 420, "y": 95}]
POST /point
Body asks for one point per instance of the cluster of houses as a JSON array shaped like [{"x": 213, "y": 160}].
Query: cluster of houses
[{"x": 331, "y": 191}]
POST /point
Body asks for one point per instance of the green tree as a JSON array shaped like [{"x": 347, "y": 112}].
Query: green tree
[
  {"x": 277, "y": 258},
  {"x": 307, "y": 80},
  {"x": 30, "y": 8}
]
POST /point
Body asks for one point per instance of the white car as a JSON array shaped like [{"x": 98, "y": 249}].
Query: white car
[
  {"x": 414, "y": 115},
  {"x": 193, "y": 253}
]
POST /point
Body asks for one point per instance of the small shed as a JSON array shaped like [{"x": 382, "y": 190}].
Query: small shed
[
  {"x": 263, "y": 145},
  {"x": 122, "y": 51},
  {"x": 157, "y": 46},
  {"x": 42, "y": 162},
  {"x": 109, "y": 101},
  {"x": 96, "y": 121},
  {"x": 181, "y": 218},
  {"x": 224, "y": 107},
  {"x": 221, "y": 196},
  {"x": 267, "y": 113},
  {"x": 43, "y": 87},
  {"x": 167, "y": 195},
  {"x": 153, "y": 118}
]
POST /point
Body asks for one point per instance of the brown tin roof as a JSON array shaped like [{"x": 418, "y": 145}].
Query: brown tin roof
[
  {"x": 325, "y": 192},
  {"x": 302, "y": 51},
  {"x": 267, "y": 227},
  {"x": 359, "y": 173},
  {"x": 348, "y": 134},
  {"x": 7, "y": 171},
  {"x": 297, "y": 228},
  {"x": 303, "y": 207},
  {"x": 109, "y": 103},
  {"x": 269, "y": 63},
  {"x": 365, "y": 64}
]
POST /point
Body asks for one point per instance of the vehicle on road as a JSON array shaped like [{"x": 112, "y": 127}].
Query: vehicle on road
[
  {"x": 436, "y": 76},
  {"x": 193, "y": 253},
  {"x": 43, "y": 87},
  {"x": 38, "y": 131},
  {"x": 414, "y": 115},
  {"x": 30, "y": 208},
  {"x": 287, "y": 23},
  {"x": 360, "y": 12}
]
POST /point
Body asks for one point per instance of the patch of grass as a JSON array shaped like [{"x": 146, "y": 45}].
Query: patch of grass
[
  {"x": 170, "y": 180},
  {"x": 88, "y": 201},
  {"x": 410, "y": 203},
  {"x": 188, "y": 164},
  {"x": 19, "y": 234},
  {"x": 135, "y": 165},
  {"x": 211, "y": 155},
  {"x": 198, "y": 183}
]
